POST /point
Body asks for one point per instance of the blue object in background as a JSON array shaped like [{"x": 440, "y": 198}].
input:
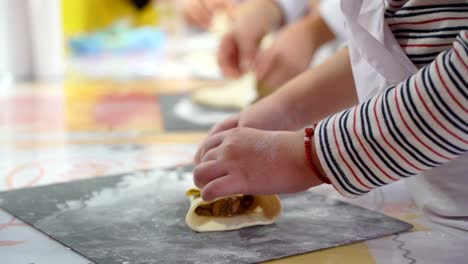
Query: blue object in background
[{"x": 119, "y": 38}]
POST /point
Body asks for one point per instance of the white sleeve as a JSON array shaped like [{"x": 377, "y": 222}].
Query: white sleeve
[
  {"x": 331, "y": 13},
  {"x": 292, "y": 9}
]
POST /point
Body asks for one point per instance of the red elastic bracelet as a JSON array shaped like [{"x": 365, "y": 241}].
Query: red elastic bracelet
[{"x": 309, "y": 134}]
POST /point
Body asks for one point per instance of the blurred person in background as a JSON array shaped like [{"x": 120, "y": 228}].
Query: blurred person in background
[{"x": 304, "y": 27}]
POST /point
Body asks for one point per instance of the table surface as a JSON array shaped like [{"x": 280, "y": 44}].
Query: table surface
[{"x": 57, "y": 132}]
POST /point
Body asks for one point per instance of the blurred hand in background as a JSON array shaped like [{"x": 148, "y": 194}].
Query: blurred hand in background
[
  {"x": 252, "y": 20},
  {"x": 199, "y": 13},
  {"x": 292, "y": 51}
]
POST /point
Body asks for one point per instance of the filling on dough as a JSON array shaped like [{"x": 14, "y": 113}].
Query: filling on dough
[
  {"x": 229, "y": 206},
  {"x": 232, "y": 212}
]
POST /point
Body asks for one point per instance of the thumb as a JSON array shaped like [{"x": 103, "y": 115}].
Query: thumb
[{"x": 248, "y": 52}]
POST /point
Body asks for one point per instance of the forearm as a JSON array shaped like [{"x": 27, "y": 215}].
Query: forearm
[
  {"x": 408, "y": 129},
  {"x": 321, "y": 33},
  {"x": 329, "y": 88},
  {"x": 267, "y": 9}
]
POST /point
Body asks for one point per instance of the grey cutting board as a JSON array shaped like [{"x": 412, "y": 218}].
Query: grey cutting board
[
  {"x": 139, "y": 218},
  {"x": 173, "y": 122}
]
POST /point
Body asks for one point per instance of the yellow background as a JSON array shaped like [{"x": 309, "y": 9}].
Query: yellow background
[{"x": 90, "y": 15}]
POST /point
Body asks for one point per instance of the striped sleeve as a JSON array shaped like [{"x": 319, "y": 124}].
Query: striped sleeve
[{"x": 412, "y": 127}]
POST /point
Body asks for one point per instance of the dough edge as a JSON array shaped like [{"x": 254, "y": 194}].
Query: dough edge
[{"x": 233, "y": 95}]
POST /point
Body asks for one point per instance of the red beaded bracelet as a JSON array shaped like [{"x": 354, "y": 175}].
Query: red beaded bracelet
[{"x": 309, "y": 135}]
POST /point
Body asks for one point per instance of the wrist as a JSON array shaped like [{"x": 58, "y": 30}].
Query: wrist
[
  {"x": 315, "y": 159},
  {"x": 284, "y": 106},
  {"x": 291, "y": 100},
  {"x": 312, "y": 157}
]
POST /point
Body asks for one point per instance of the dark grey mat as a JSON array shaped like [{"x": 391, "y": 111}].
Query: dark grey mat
[
  {"x": 139, "y": 218},
  {"x": 173, "y": 122}
]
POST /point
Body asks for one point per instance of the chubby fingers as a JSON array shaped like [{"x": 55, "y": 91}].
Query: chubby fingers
[
  {"x": 208, "y": 171},
  {"x": 197, "y": 14},
  {"x": 248, "y": 47},
  {"x": 223, "y": 186},
  {"x": 228, "y": 123},
  {"x": 237, "y": 52},
  {"x": 213, "y": 141},
  {"x": 229, "y": 56},
  {"x": 209, "y": 143},
  {"x": 212, "y": 154}
]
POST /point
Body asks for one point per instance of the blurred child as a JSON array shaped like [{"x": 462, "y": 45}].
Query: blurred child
[
  {"x": 239, "y": 48},
  {"x": 303, "y": 31}
]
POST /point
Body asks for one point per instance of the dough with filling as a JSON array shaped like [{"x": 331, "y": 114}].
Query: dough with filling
[{"x": 232, "y": 212}]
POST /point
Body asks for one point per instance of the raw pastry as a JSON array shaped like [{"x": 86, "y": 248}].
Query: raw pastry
[
  {"x": 231, "y": 213},
  {"x": 235, "y": 94},
  {"x": 202, "y": 64},
  {"x": 221, "y": 24}
]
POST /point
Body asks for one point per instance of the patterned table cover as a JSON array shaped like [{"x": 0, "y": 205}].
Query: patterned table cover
[{"x": 43, "y": 140}]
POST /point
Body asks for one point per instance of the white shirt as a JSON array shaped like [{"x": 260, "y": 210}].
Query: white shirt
[
  {"x": 293, "y": 9},
  {"x": 329, "y": 10}
]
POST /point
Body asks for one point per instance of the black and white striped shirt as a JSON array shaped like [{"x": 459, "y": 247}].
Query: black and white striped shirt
[
  {"x": 416, "y": 125},
  {"x": 424, "y": 28}
]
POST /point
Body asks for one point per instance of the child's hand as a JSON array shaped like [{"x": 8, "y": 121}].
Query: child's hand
[
  {"x": 250, "y": 161},
  {"x": 266, "y": 114},
  {"x": 291, "y": 52},
  {"x": 252, "y": 21},
  {"x": 200, "y": 12},
  {"x": 196, "y": 13},
  {"x": 227, "y": 124},
  {"x": 261, "y": 115}
]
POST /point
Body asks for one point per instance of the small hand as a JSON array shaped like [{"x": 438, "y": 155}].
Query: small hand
[
  {"x": 251, "y": 22},
  {"x": 250, "y": 161},
  {"x": 290, "y": 54},
  {"x": 200, "y": 12},
  {"x": 227, "y": 124},
  {"x": 266, "y": 114},
  {"x": 196, "y": 13}
]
